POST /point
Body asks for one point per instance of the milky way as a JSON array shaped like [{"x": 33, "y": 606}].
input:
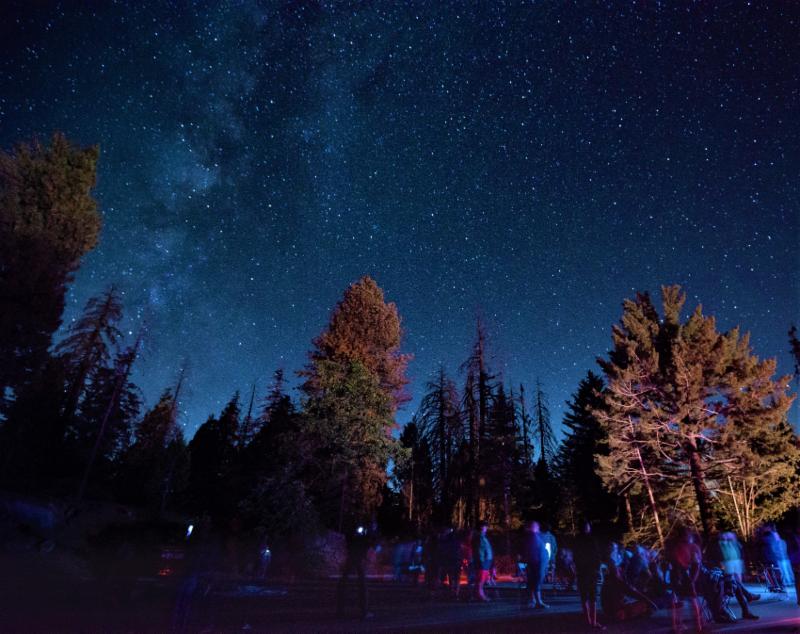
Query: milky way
[{"x": 534, "y": 163}]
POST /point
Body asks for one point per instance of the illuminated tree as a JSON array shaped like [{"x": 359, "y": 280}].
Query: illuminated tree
[
  {"x": 678, "y": 395},
  {"x": 354, "y": 384},
  {"x": 48, "y": 221}
]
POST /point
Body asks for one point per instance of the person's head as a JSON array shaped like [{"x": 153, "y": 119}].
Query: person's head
[
  {"x": 533, "y": 526},
  {"x": 586, "y": 529},
  {"x": 483, "y": 527}
]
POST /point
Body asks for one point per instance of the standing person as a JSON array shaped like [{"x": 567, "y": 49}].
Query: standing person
[
  {"x": 551, "y": 546},
  {"x": 774, "y": 555},
  {"x": 431, "y": 561},
  {"x": 482, "y": 558},
  {"x": 451, "y": 561},
  {"x": 359, "y": 542},
  {"x": 686, "y": 559},
  {"x": 730, "y": 555},
  {"x": 794, "y": 557},
  {"x": 587, "y": 568},
  {"x": 534, "y": 553}
]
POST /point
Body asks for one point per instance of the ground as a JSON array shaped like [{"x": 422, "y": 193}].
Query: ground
[{"x": 32, "y": 602}]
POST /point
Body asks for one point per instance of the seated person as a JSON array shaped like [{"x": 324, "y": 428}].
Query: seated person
[
  {"x": 614, "y": 591},
  {"x": 716, "y": 588}
]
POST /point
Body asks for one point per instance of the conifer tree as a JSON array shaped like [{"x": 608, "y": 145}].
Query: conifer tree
[
  {"x": 108, "y": 412},
  {"x": 476, "y": 402},
  {"x": 48, "y": 221},
  {"x": 153, "y": 467},
  {"x": 678, "y": 394},
  {"x": 440, "y": 425},
  {"x": 354, "y": 384},
  {"x": 213, "y": 453},
  {"x": 583, "y": 493},
  {"x": 88, "y": 346},
  {"x": 543, "y": 427},
  {"x": 525, "y": 428},
  {"x": 503, "y": 459}
]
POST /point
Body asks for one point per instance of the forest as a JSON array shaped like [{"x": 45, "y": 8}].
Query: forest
[{"x": 679, "y": 425}]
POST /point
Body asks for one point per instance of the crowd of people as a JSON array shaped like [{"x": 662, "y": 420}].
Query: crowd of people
[{"x": 630, "y": 581}]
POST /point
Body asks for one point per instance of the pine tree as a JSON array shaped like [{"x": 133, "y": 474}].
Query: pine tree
[
  {"x": 214, "y": 458},
  {"x": 48, "y": 221},
  {"x": 476, "y": 402},
  {"x": 108, "y": 412},
  {"x": 155, "y": 469},
  {"x": 677, "y": 393},
  {"x": 583, "y": 493},
  {"x": 354, "y": 384},
  {"x": 503, "y": 460},
  {"x": 543, "y": 428},
  {"x": 440, "y": 425},
  {"x": 87, "y": 348},
  {"x": 276, "y": 468},
  {"x": 525, "y": 428}
]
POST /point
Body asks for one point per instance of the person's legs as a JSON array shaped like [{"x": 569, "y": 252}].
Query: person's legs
[
  {"x": 531, "y": 580},
  {"x": 540, "y": 583},
  {"x": 741, "y": 599},
  {"x": 483, "y": 577}
]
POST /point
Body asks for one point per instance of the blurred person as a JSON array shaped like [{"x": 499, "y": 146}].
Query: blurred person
[
  {"x": 565, "y": 568},
  {"x": 551, "y": 545},
  {"x": 587, "y": 569},
  {"x": 616, "y": 589},
  {"x": 359, "y": 541},
  {"x": 452, "y": 560},
  {"x": 716, "y": 586},
  {"x": 483, "y": 559},
  {"x": 774, "y": 554},
  {"x": 685, "y": 559},
  {"x": 536, "y": 558},
  {"x": 637, "y": 569},
  {"x": 730, "y": 555},
  {"x": 431, "y": 563}
]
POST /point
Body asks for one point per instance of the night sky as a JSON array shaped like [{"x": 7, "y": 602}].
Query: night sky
[{"x": 535, "y": 163}]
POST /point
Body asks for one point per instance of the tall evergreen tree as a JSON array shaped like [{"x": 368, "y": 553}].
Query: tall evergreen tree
[
  {"x": 153, "y": 469},
  {"x": 87, "y": 348},
  {"x": 48, "y": 221},
  {"x": 440, "y": 425},
  {"x": 543, "y": 427},
  {"x": 678, "y": 393},
  {"x": 214, "y": 457},
  {"x": 354, "y": 384},
  {"x": 584, "y": 495},
  {"x": 502, "y": 462},
  {"x": 477, "y": 401},
  {"x": 108, "y": 413},
  {"x": 525, "y": 428}
]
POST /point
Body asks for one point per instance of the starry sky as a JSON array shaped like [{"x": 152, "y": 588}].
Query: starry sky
[{"x": 532, "y": 162}]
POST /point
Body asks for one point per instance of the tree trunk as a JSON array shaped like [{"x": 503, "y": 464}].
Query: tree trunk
[{"x": 700, "y": 489}]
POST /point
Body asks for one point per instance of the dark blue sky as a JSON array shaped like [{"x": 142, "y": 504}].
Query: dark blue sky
[{"x": 536, "y": 162}]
